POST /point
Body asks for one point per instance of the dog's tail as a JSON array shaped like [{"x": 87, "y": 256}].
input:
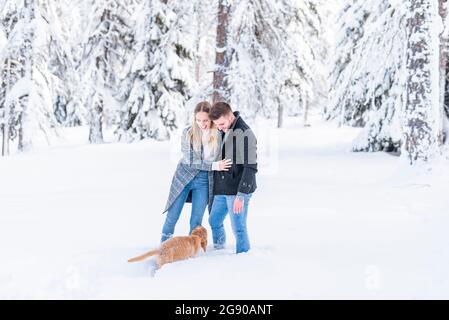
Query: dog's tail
[{"x": 144, "y": 256}]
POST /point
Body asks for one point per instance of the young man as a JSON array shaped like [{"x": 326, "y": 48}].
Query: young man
[{"x": 233, "y": 189}]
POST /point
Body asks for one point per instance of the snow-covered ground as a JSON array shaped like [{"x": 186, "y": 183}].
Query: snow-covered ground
[{"x": 324, "y": 223}]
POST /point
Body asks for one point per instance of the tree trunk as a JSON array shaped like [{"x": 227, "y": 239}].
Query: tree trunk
[
  {"x": 197, "y": 42},
  {"x": 96, "y": 122},
  {"x": 221, "y": 54},
  {"x": 446, "y": 102},
  {"x": 306, "y": 112},
  {"x": 420, "y": 120},
  {"x": 444, "y": 43},
  {"x": 197, "y": 69},
  {"x": 3, "y": 140},
  {"x": 5, "y": 127},
  {"x": 24, "y": 142},
  {"x": 280, "y": 113}
]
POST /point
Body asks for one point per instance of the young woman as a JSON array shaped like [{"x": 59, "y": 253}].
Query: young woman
[{"x": 193, "y": 178}]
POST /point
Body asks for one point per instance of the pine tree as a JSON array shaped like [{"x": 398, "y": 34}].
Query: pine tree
[
  {"x": 63, "y": 24},
  {"x": 158, "y": 79},
  {"x": 266, "y": 61},
  {"x": 74, "y": 18},
  {"x": 368, "y": 84},
  {"x": 103, "y": 58},
  {"x": 301, "y": 70},
  {"x": 257, "y": 46},
  {"x": 204, "y": 17},
  {"x": 204, "y": 54},
  {"x": 378, "y": 81},
  {"x": 26, "y": 82},
  {"x": 347, "y": 102}
]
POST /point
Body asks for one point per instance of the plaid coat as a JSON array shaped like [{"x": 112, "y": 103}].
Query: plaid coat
[{"x": 188, "y": 167}]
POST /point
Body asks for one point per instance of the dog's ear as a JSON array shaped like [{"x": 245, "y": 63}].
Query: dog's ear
[{"x": 199, "y": 231}]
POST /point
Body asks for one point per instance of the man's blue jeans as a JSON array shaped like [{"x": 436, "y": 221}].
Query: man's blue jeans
[
  {"x": 223, "y": 205},
  {"x": 200, "y": 197}
]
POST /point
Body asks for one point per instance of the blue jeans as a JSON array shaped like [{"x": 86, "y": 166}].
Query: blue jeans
[
  {"x": 200, "y": 198},
  {"x": 221, "y": 207}
]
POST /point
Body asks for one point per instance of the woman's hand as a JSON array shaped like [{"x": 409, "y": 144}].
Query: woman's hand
[{"x": 224, "y": 165}]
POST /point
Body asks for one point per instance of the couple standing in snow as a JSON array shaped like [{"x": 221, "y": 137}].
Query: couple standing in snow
[{"x": 217, "y": 170}]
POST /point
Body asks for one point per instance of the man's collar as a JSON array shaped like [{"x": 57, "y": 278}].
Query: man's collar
[{"x": 237, "y": 116}]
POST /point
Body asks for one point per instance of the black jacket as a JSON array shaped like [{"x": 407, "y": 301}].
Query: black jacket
[{"x": 239, "y": 145}]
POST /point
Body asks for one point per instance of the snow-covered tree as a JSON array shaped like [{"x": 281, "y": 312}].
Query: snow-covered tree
[
  {"x": 256, "y": 42},
  {"x": 103, "y": 58},
  {"x": 3, "y": 127},
  {"x": 64, "y": 39},
  {"x": 159, "y": 77},
  {"x": 422, "y": 113},
  {"x": 204, "y": 16},
  {"x": 252, "y": 35},
  {"x": 302, "y": 68},
  {"x": 26, "y": 81},
  {"x": 347, "y": 102},
  {"x": 369, "y": 78},
  {"x": 374, "y": 89},
  {"x": 378, "y": 76},
  {"x": 272, "y": 60}
]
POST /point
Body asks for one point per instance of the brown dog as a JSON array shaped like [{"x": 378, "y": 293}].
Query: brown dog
[{"x": 177, "y": 248}]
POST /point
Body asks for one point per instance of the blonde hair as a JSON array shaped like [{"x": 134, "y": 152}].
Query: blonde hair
[{"x": 195, "y": 133}]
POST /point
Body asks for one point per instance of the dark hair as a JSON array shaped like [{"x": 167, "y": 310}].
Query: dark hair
[{"x": 219, "y": 109}]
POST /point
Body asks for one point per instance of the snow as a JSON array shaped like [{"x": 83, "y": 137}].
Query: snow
[
  {"x": 324, "y": 223},
  {"x": 3, "y": 40},
  {"x": 21, "y": 88}
]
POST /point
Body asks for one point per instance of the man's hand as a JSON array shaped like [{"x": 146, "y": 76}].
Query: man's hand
[
  {"x": 238, "y": 205},
  {"x": 224, "y": 165}
]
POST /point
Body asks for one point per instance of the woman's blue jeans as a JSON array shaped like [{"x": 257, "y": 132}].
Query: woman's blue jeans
[{"x": 200, "y": 198}]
